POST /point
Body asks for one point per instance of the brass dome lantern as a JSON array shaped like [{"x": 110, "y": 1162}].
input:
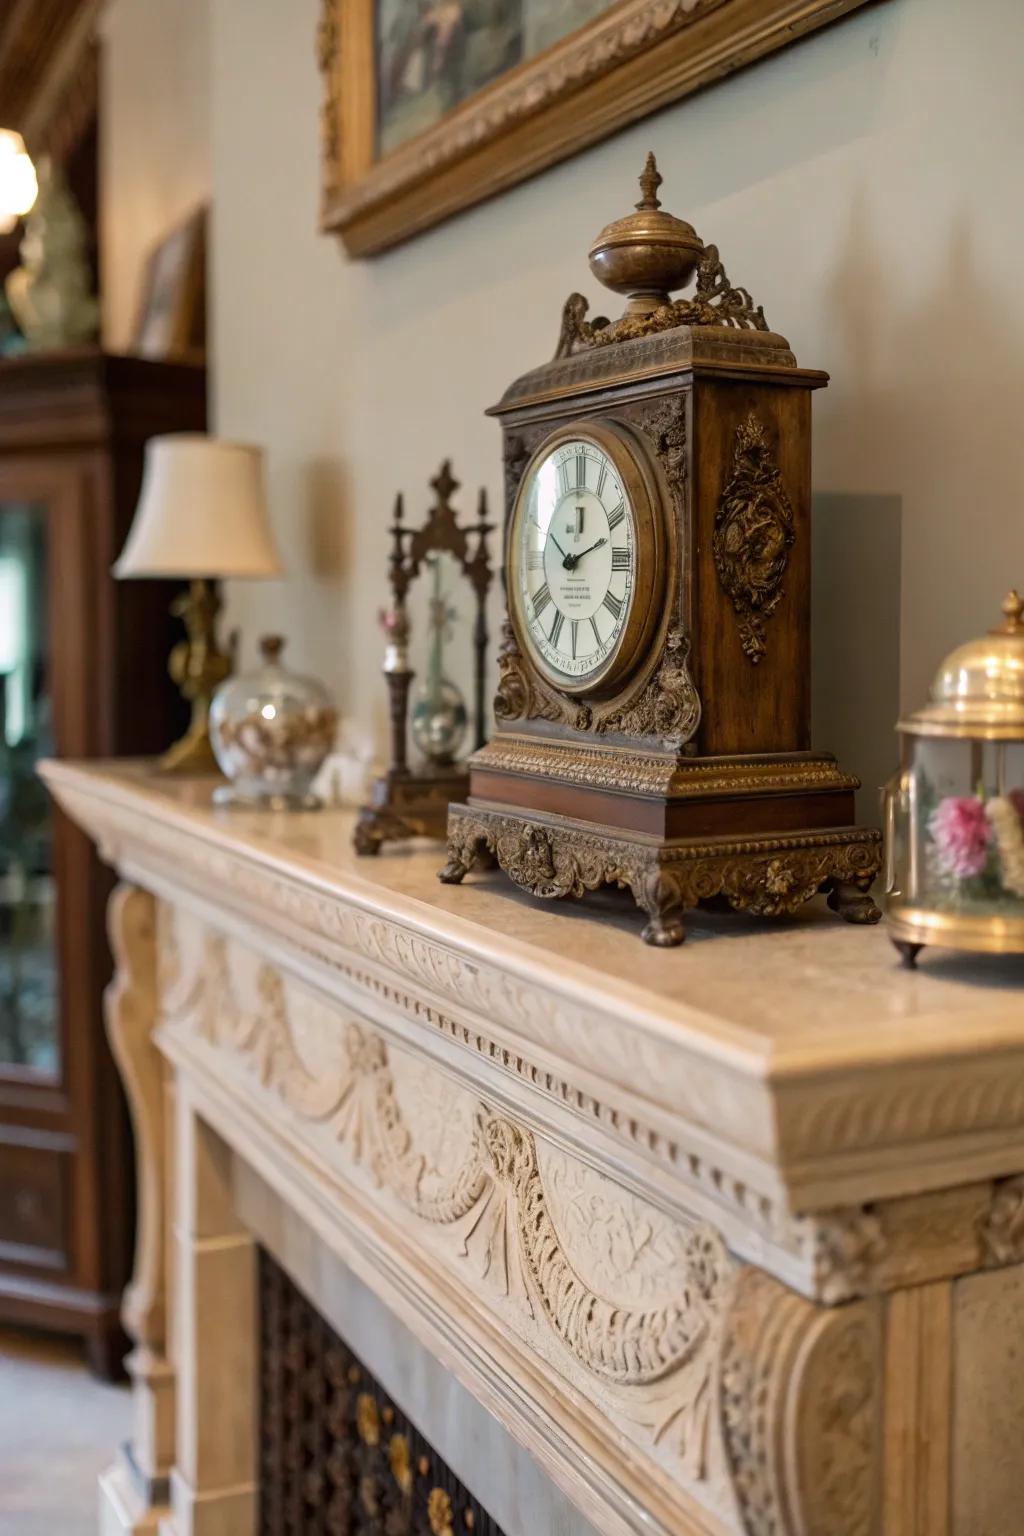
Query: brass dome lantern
[{"x": 955, "y": 810}]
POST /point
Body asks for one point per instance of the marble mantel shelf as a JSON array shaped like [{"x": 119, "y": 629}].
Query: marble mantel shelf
[
  {"x": 802, "y": 1057},
  {"x": 727, "y": 1240}
]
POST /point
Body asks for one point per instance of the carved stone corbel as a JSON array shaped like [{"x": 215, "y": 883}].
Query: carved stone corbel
[
  {"x": 800, "y": 1395},
  {"x": 137, "y": 1486}
]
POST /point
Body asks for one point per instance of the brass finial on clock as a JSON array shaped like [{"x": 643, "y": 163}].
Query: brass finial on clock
[
  {"x": 648, "y": 254},
  {"x": 650, "y": 180}
]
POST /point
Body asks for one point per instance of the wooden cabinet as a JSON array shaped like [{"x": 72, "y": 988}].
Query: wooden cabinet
[{"x": 82, "y": 673}]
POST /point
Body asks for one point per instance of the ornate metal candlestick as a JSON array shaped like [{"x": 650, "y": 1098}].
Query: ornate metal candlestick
[{"x": 413, "y": 802}]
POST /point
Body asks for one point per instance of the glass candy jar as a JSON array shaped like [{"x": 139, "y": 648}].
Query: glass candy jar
[
  {"x": 271, "y": 731},
  {"x": 955, "y": 811}
]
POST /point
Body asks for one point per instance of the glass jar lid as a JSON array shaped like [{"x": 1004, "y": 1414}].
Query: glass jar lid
[{"x": 979, "y": 689}]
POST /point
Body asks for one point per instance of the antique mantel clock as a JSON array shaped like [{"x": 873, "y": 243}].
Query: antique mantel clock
[{"x": 653, "y": 707}]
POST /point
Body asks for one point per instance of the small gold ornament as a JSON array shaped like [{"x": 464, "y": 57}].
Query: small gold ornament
[
  {"x": 398, "y": 1457},
  {"x": 439, "y": 1512},
  {"x": 367, "y": 1419}
]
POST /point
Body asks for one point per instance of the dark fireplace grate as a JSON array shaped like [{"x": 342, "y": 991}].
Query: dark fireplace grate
[{"x": 336, "y": 1455}]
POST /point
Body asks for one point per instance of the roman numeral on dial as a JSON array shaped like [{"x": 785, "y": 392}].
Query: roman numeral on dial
[
  {"x": 556, "y": 628},
  {"x": 612, "y": 603},
  {"x": 597, "y": 632},
  {"x": 620, "y": 559},
  {"x": 602, "y": 477},
  {"x": 541, "y": 598},
  {"x": 535, "y": 560},
  {"x": 563, "y": 477},
  {"x": 616, "y": 515},
  {"x": 581, "y": 471},
  {"x": 574, "y": 625}
]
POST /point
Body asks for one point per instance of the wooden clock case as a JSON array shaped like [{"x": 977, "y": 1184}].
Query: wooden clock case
[{"x": 693, "y": 779}]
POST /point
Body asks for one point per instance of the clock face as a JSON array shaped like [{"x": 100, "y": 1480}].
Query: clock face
[{"x": 574, "y": 559}]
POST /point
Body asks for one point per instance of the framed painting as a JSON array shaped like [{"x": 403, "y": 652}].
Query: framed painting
[
  {"x": 171, "y": 318},
  {"x": 433, "y": 105}
]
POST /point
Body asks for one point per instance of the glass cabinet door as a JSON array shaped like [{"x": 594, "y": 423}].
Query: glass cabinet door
[{"x": 29, "y": 1028}]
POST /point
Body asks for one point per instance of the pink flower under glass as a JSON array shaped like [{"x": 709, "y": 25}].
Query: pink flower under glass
[{"x": 961, "y": 833}]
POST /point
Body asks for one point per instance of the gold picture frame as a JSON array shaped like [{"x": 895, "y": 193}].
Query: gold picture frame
[{"x": 631, "y": 58}]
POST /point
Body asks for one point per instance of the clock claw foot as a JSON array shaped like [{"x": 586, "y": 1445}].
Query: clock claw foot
[
  {"x": 365, "y": 840},
  {"x": 660, "y": 897},
  {"x": 852, "y": 904},
  {"x": 908, "y": 952},
  {"x": 454, "y": 872},
  {"x": 377, "y": 826},
  {"x": 664, "y": 932}
]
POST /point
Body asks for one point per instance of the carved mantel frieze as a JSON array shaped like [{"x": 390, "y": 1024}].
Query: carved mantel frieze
[
  {"x": 691, "y": 1120},
  {"x": 669, "y": 1336},
  {"x": 688, "y": 1235}
]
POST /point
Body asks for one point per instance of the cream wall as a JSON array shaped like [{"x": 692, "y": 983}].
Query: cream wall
[
  {"x": 864, "y": 185},
  {"x": 154, "y": 140}
]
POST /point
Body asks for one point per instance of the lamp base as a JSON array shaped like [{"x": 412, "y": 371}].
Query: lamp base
[
  {"x": 198, "y": 666},
  {"x": 193, "y": 753}
]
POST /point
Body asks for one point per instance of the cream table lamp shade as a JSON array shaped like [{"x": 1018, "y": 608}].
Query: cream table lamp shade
[{"x": 202, "y": 512}]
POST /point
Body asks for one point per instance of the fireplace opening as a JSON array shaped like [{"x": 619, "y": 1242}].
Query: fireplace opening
[{"x": 337, "y": 1456}]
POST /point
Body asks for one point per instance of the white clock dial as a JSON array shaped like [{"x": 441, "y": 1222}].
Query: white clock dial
[{"x": 576, "y": 531}]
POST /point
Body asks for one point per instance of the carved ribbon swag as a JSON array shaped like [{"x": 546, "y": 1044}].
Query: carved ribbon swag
[{"x": 626, "y": 1346}]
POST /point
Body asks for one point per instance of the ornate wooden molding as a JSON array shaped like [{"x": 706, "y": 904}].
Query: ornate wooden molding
[
  {"x": 634, "y": 58},
  {"x": 558, "y": 860},
  {"x": 653, "y": 771}
]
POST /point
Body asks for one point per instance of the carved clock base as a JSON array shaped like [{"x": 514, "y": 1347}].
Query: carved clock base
[{"x": 767, "y": 876}]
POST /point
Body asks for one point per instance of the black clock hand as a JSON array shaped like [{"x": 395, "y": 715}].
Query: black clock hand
[
  {"x": 579, "y": 557},
  {"x": 561, "y": 551}
]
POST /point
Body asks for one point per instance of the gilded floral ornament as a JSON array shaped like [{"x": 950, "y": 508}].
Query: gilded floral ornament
[
  {"x": 714, "y": 302},
  {"x": 669, "y": 705},
  {"x": 764, "y": 876},
  {"x": 517, "y": 698},
  {"x": 753, "y": 535}
]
